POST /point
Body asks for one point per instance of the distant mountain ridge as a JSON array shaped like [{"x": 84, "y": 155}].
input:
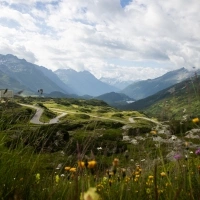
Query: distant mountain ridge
[
  {"x": 27, "y": 74},
  {"x": 18, "y": 74},
  {"x": 177, "y": 101},
  {"x": 145, "y": 88},
  {"x": 84, "y": 82},
  {"x": 121, "y": 84}
]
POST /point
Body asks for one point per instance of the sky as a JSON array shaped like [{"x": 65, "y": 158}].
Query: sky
[{"x": 126, "y": 40}]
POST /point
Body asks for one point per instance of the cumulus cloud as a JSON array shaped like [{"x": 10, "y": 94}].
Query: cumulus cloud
[{"x": 143, "y": 39}]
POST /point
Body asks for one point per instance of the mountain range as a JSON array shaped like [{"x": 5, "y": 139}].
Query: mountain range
[
  {"x": 145, "y": 88},
  {"x": 84, "y": 83},
  {"x": 18, "y": 74}
]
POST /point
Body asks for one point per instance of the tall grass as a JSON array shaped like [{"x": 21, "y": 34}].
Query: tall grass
[{"x": 29, "y": 174}]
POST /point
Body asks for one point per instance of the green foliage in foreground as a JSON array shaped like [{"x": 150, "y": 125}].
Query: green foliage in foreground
[
  {"x": 26, "y": 175},
  {"x": 91, "y": 154}
]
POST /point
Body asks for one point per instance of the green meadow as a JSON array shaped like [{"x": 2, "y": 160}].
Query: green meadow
[{"x": 95, "y": 152}]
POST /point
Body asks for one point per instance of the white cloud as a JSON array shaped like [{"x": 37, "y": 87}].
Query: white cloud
[{"x": 103, "y": 37}]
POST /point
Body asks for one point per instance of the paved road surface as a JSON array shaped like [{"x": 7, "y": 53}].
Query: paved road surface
[{"x": 36, "y": 118}]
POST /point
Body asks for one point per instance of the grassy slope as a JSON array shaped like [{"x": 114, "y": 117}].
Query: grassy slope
[{"x": 172, "y": 103}]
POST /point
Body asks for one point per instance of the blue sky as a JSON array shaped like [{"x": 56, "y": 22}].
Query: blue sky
[
  {"x": 124, "y": 2},
  {"x": 122, "y": 39}
]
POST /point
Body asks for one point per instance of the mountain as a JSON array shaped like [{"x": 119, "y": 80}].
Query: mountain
[
  {"x": 52, "y": 76},
  {"x": 145, "y": 88},
  {"x": 116, "y": 82},
  {"x": 84, "y": 82},
  {"x": 114, "y": 98},
  {"x": 9, "y": 82},
  {"x": 29, "y": 76},
  {"x": 176, "y": 101}
]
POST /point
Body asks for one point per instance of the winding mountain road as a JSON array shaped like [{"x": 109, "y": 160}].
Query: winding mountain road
[{"x": 36, "y": 118}]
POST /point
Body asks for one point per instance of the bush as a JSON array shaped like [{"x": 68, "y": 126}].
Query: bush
[
  {"x": 118, "y": 115},
  {"x": 138, "y": 130},
  {"x": 83, "y": 116}
]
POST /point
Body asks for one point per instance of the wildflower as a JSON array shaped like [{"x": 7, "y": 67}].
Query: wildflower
[
  {"x": 105, "y": 179},
  {"x": 150, "y": 177},
  {"x": 100, "y": 187},
  {"x": 137, "y": 172},
  {"x": 186, "y": 145},
  {"x": 81, "y": 164},
  {"x": 195, "y": 120},
  {"x": 91, "y": 194},
  {"x": 115, "y": 162},
  {"x": 67, "y": 168},
  {"x": 92, "y": 164},
  {"x": 110, "y": 174},
  {"x": 153, "y": 133},
  {"x": 186, "y": 157},
  {"x": 73, "y": 169},
  {"x": 57, "y": 178},
  {"x": 163, "y": 174},
  {"x": 177, "y": 156},
  {"x": 197, "y": 152},
  {"x": 37, "y": 177}
]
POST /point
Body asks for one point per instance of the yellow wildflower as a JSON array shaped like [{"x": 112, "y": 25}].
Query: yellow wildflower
[
  {"x": 137, "y": 173},
  {"x": 81, "y": 164},
  {"x": 153, "y": 132},
  {"x": 91, "y": 194},
  {"x": 150, "y": 177},
  {"x": 67, "y": 168},
  {"x": 195, "y": 120},
  {"x": 73, "y": 169},
  {"x": 115, "y": 162},
  {"x": 163, "y": 174},
  {"x": 91, "y": 164}
]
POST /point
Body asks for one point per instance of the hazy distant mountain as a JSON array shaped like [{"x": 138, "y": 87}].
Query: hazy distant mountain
[
  {"x": 121, "y": 84},
  {"x": 52, "y": 76},
  {"x": 142, "y": 89},
  {"x": 114, "y": 98},
  {"x": 28, "y": 75},
  {"x": 84, "y": 82}
]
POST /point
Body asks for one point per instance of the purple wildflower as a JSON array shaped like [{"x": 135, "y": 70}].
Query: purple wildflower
[
  {"x": 177, "y": 156},
  {"x": 197, "y": 152}
]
